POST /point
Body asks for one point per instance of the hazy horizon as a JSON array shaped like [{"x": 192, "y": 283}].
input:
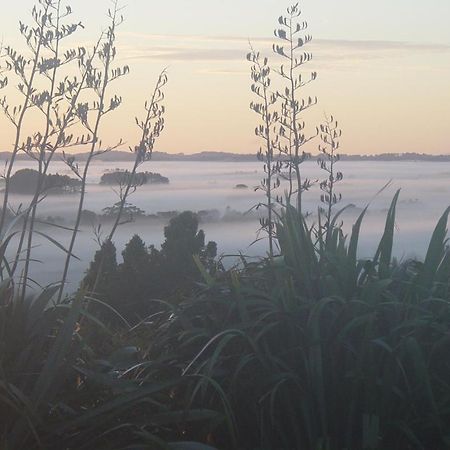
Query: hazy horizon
[{"x": 204, "y": 186}]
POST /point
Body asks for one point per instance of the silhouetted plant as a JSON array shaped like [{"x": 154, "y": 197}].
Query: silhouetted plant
[
  {"x": 55, "y": 102},
  {"x": 292, "y": 125},
  {"x": 266, "y": 131},
  {"x": 127, "y": 212},
  {"x": 151, "y": 127},
  {"x": 183, "y": 240},
  {"x": 284, "y": 129},
  {"x": 136, "y": 279},
  {"x": 319, "y": 350},
  {"x": 19, "y": 63},
  {"x": 330, "y": 134},
  {"x": 98, "y": 81},
  {"x": 106, "y": 259},
  {"x": 3, "y": 71}
]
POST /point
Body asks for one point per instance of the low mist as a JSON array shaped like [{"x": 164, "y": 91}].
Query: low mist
[{"x": 211, "y": 186}]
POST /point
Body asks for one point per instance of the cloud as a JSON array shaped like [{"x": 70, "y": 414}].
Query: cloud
[
  {"x": 222, "y": 71},
  {"x": 380, "y": 45},
  {"x": 187, "y": 54},
  {"x": 343, "y": 43},
  {"x": 195, "y": 48}
]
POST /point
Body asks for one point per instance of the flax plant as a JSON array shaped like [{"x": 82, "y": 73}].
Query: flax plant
[
  {"x": 330, "y": 134},
  {"x": 26, "y": 68},
  {"x": 266, "y": 132},
  {"x": 293, "y": 106},
  {"x": 151, "y": 127},
  {"x": 55, "y": 103},
  {"x": 91, "y": 116}
]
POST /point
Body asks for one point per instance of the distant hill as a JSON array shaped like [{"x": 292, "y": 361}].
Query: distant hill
[
  {"x": 157, "y": 156},
  {"x": 239, "y": 157}
]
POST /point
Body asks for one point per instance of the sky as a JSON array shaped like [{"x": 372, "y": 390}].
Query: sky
[{"x": 383, "y": 69}]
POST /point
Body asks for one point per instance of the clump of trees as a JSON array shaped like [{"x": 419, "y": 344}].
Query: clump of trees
[
  {"x": 124, "y": 177},
  {"x": 127, "y": 211},
  {"x": 147, "y": 273},
  {"x": 26, "y": 181}
]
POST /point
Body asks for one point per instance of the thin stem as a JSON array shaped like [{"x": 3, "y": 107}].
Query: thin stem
[
  {"x": 42, "y": 162},
  {"x": 95, "y": 139},
  {"x": 25, "y": 107}
]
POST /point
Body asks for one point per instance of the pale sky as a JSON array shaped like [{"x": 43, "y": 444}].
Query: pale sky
[{"x": 383, "y": 69}]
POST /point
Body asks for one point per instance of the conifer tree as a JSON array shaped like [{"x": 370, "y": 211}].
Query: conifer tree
[{"x": 106, "y": 257}]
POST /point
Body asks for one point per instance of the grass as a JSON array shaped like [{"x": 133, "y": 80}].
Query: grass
[
  {"x": 319, "y": 349},
  {"x": 55, "y": 391}
]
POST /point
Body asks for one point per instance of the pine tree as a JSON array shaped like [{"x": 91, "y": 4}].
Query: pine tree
[
  {"x": 135, "y": 255},
  {"x": 102, "y": 271},
  {"x": 183, "y": 241},
  {"x": 136, "y": 278}
]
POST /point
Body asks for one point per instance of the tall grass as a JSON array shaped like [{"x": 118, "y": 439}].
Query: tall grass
[{"x": 322, "y": 350}]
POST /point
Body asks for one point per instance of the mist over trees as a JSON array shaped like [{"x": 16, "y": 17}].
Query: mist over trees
[
  {"x": 123, "y": 177},
  {"x": 26, "y": 181}
]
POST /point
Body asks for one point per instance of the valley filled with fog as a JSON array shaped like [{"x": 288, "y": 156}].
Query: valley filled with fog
[{"x": 211, "y": 186}]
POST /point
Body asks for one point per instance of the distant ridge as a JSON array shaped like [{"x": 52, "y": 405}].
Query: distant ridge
[{"x": 239, "y": 157}]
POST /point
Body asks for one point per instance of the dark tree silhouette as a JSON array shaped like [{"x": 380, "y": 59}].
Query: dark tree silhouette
[
  {"x": 25, "y": 181},
  {"x": 183, "y": 241},
  {"x": 148, "y": 274},
  {"x": 136, "y": 279},
  {"x": 107, "y": 273}
]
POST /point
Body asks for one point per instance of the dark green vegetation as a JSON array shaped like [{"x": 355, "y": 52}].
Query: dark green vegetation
[
  {"x": 123, "y": 177},
  {"x": 310, "y": 347},
  {"x": 25, "y": 181},
  {"x": 147, "y": 273}
]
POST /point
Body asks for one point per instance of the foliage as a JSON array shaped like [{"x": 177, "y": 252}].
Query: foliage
[
  {"x": 56, "y": 391},
  {"x": 25, "y": 181},
  {"x": 105, "y": 263},
  {"x": 149, "y": 274},
  {"x": 292, "y": 129},
  {"x": 127, "y": 210},
  {"x": 266, "y": 132},
  {"x": 123, "y": 176},
  {"x": 320, "y": 350},
  {"x": 183, "y": 240},
  {"x": 330, "y": 135},
  {"x": 282, "y": 127}
]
